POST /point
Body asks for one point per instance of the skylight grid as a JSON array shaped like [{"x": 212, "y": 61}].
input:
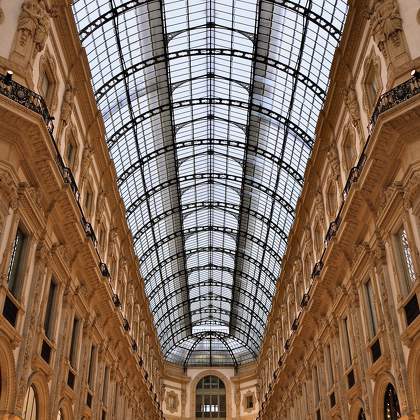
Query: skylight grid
[{"x": 210, "y": 109}]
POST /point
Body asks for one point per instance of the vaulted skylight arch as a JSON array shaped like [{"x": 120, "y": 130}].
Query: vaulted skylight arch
[{"x": 210, "y": 110}]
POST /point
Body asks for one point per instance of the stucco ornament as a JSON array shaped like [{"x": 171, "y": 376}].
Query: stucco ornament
[
  {"x": 387, "y": 31},
  {"x": 8, "y": 189},
  {"x": 171, "y": 401},
  {"x": 34, "y": 23},
  {"x": 352, "y": 105},
  {"x": 68, "y": 105},
  {"x": 386, "y": 22}
]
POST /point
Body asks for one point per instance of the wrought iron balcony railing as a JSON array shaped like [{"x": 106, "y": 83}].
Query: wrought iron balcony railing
[
  {"x": 387, "y": 101},
  {"x": 36, "y": 103},
  {"x": 395, "y": 96},
  {"x": 26, "y": 97}
]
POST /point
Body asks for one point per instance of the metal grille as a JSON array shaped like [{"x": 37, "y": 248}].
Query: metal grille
[{"x": 210, "y": 109}]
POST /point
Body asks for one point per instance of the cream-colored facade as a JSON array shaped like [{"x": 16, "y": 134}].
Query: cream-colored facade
[
  {"x": 76, "y": 334},
  {"x": 75, "y": 327},
  {"x": 180, "y": 391},
  {"x": 344, "y": 332}
]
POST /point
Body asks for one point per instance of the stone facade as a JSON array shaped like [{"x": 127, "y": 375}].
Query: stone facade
[
  {"x": 343, "y": 337},
  {"x": 76, "y": 335},
  {"x": 75, "y": 326},
  {"x": 181, "y": 385}
]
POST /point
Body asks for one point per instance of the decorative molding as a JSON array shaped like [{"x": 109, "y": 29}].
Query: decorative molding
[
  {"x": 172, "y": 401},
  {"x": 371, "y": 68},
  {"x": 387, "y": 30},
  {"x": 32, "y": 31},
  {"x": 48, "y": 66}
]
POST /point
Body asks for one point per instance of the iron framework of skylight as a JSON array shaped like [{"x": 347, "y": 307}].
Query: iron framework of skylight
[{"x": 210, "y": 110}]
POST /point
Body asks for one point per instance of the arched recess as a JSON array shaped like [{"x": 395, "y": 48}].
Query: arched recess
[
  {"x": 355, "y": 409},
  {"x": 413, "y": 368},
  {"x": 66, "y": 410},
  {"x": 7, "y": 376},
  {"x": 228, "y": 387},
  {"x": 39, "y": 382},
  {"x": 381, "y": 385}
]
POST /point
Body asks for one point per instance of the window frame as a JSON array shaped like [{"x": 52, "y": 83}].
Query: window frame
[
  {"x": 19, "y": 277},
  {"x": 406, "y": 285},
  {"x": 73, "y": 350},
  {"x": 346, "y": 343},
  {"x": 370, "y": 310},
  {"x": 88, "y": 199},
  {"x": 50, "y": 310}
]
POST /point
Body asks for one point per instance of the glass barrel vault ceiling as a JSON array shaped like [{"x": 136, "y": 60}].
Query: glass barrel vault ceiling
[{"x": 210, "y": 109}]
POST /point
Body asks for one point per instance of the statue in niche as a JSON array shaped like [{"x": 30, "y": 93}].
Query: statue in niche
[
  {"x": 352, "y": 105},
  {"x": 67, "y": 106}
]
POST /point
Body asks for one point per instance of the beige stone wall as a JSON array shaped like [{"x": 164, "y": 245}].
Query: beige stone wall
[
  {"x": 345, "y": 272},
  {"x": 66, "y": 203},
  {"x": 238, "y": 384}
]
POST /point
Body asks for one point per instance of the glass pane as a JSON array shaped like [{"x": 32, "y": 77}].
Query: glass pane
[{"x": 210, "y": 113}]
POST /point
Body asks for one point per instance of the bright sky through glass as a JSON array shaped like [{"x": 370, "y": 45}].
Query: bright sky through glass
[{"x": 210, "y": 109}]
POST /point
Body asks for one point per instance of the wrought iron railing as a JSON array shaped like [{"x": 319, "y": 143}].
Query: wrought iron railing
[
  {"x": 395, "y": 96},
  {"x": 26, "y": 97},
  {"x": 388, "y": 100},
  {"x": 35, "y": 102}
]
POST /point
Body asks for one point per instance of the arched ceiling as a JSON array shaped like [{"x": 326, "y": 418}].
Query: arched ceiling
[{"x": 210, "y": 110}]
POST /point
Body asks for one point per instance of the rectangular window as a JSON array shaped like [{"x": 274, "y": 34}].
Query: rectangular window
[
  {"x": 70, "y": 154},
  {"x": 347, "y": 346},
  {"x": 316, "y": 386},
  {"x": 330, "y": 376},
  {"x": 49, "y": 311},
  {"x": 105, "y": 386},
  {"x": 14, "y": 270},
  {"x": 115, "y": 409},
  {"x": 409, "y": 273},
  {"x": 88, "y": 200},
  {"x": 74, "y": 343},
  {"x": 44, "y": 85},
  {"x": 370, "y": 309},
  {"x": 92, "y": 366}
]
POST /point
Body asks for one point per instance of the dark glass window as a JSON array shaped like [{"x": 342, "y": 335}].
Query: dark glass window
[
  {"x": 347, "y": 345},
  {"x": 13, "y": 273},
  {"x": 391, "y": 405},
  {"x": 92, "y": 367},
  {"x": 49, "y": 312},
  {"x": 74, "y": 343},
  {"x": 105, "y": 386},
  {"x": 370, "y": 309}
]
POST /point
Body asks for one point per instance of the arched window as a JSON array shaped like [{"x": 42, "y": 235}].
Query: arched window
[
  {"x": 30, "y": 411},
  {"x": 60, "y": 415},
  {"x": 210, "y": 398},
  {"x": 391, "y": 404},
  {"x": 361, "y": 415}
]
